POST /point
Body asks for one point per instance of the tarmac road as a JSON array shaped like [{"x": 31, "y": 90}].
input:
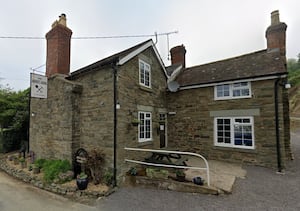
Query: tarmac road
[
  {"x": 263, "y": 189},
  {"x": 19, "y": 196}
]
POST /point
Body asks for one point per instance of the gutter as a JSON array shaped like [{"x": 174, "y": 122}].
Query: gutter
[
  {"x": 279, "y": 165},
  {"x": 115, "y": 70}
]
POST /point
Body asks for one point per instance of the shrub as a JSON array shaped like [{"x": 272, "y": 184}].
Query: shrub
[
  {"x": 94, "y": 164},
  {"x": 39, "y": 163},
  {"x": 52, "y": 168},
  {"x": 108, "y": 178}
]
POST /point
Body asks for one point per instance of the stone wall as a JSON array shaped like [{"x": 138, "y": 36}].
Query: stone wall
[
  {"x": 53, "y": 121},
  {"x": 96, "y": 112},
  {"x": 192, "y": 127},
  {"x": 70, "y": 119},
  {"x": 133, "y": 98}
]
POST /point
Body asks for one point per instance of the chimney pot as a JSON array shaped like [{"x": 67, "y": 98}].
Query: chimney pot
[{"x": 275, "y": 18}]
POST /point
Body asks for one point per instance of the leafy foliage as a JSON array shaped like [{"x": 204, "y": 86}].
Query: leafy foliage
[
  {"x": 52, "y": 168},
  {"x": 293, "y": 67},
  {"x": 14, "y": 118},
  {"x": 94, "y": 164}
]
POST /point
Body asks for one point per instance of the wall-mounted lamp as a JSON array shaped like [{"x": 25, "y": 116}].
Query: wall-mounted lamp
[
  {"x": 32, "y": 114},
  {"x": 118, "y": 106},
  {"x": 287, "y": 85}
]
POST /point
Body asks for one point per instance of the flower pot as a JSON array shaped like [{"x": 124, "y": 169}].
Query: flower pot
[
  {"x": 82, "y": 183},
  {"x": 35, "y": 169},
  {"x": 23, "y": 164},
  {"x": 135, "y": 124},
  {"x": 198, "y": 181}
]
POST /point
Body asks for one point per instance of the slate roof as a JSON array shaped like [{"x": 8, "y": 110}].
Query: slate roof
[
  {"x": 257, "y": 64},
  {"x": 106, "y": 61}
]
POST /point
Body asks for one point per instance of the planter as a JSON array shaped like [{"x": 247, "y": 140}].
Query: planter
[
  {"x": 135, "y": 124},
  {"x": 198, "y": 181},
  {"x": 16, "y": 161},
  {"x": 23, "y": 164},
  {"x": 35, "y": 169},
  {"x": 82, "y": 183}
]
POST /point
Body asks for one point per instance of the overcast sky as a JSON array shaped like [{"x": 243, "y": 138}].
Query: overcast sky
[{"x": 210, "y": 29}]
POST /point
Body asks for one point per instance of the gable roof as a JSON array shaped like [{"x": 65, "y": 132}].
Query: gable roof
[
  {"x": 120, "y": 59},
  {"x": 254, "y": 65}
]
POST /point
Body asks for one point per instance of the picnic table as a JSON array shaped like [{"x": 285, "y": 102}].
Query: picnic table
[{"x": 167, "y": 158}]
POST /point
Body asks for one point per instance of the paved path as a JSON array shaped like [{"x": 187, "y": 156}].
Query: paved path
[
  {"x": 263, "y": 189},
  {"x": 19, "y": 196}
]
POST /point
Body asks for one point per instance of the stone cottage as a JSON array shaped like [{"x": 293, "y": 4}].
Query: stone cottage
[{"x": 235, "y": 109}]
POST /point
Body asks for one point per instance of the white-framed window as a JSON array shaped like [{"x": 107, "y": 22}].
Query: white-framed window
[
  {"x": 233, "y": 91},
  {"x": 145, "y": 74},
  {"x": 145, "y": 126},
  {"x": 235, "y": 132}
]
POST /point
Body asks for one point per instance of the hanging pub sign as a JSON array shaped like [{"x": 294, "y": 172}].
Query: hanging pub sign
[{"x": 38, "y": 84}]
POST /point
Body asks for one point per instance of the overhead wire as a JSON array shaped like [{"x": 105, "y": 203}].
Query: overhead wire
[{"x": 94, "y": 37}]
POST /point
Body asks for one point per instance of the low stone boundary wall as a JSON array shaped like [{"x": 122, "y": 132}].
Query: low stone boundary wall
[{"x": 70, "y": 192}]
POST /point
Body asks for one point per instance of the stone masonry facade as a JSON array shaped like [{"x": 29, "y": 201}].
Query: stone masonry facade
[{"x": 192, "y": 127}]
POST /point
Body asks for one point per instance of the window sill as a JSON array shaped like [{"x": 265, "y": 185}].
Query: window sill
[
  {"x": 145, "y": 143},
  {"x": 232, "y": 98},
  {"x": 146, "y": 89},
  {"x": 239, "y": 149}
]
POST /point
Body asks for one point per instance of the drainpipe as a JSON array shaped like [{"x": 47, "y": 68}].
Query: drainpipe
[
  {"x": 115, "y": 70},
  {"x": 276, "y": 84}
]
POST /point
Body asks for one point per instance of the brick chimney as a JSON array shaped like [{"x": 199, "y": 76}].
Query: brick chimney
[
  {"x": 276, "y": 34},
  {"x": 178, "y": 55},
  {"x": 58, "y": 48}
]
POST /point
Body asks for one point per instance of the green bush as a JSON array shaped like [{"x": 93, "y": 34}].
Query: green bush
[
  {"x": 52, "y": 168},
  {"x": 108, "y": 177},
  {"x": 39, "y": 163}
]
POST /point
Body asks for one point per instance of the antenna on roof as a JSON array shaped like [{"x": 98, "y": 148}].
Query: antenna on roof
[{"x": 168, "y": 46}]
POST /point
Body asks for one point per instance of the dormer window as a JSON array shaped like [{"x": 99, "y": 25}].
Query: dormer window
[
  {"x": 233, "y": 91},
  {"x": 145, "y": 74}
]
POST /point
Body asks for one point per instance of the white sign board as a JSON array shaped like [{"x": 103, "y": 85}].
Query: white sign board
[{"x": 38, "y": 86}]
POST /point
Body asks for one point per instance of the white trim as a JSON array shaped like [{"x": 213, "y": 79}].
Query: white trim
[
  {"x": 141, "y": 140},
  {"x": 232, "y": 81},
  {"x": 149, "y": 71},
  {"x": 141, "y": 49},
  {"x": 232, "y": 123},
  {"x": 231, "y": 89}
]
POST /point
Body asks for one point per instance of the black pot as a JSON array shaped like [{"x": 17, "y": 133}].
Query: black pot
[
  {"x": 82, "y": 183},
  {"x": 198, "y": 180}
]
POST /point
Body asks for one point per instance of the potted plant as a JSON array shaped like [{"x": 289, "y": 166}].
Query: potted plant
[
  {"x": 132, "y": 171},
  {"x": 198, "y": 181},
  {"x": 135, "y": 122},
  {"x": 16, "y": 160},
  {"x": 35, "y": 168},
  {"x": 23, "y": 162},
  {"x": 82, "y": 181},
  {"x": 180, "y": 175}
]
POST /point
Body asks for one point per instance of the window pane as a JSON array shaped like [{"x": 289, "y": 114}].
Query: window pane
[
  {"x": 236, "y": 93},
  {"x": 227, "y": 140},
  {"x": 227, "y": 121},
  {"x": 220, "y": 140},
  {"x": 245, "y": 92}
]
